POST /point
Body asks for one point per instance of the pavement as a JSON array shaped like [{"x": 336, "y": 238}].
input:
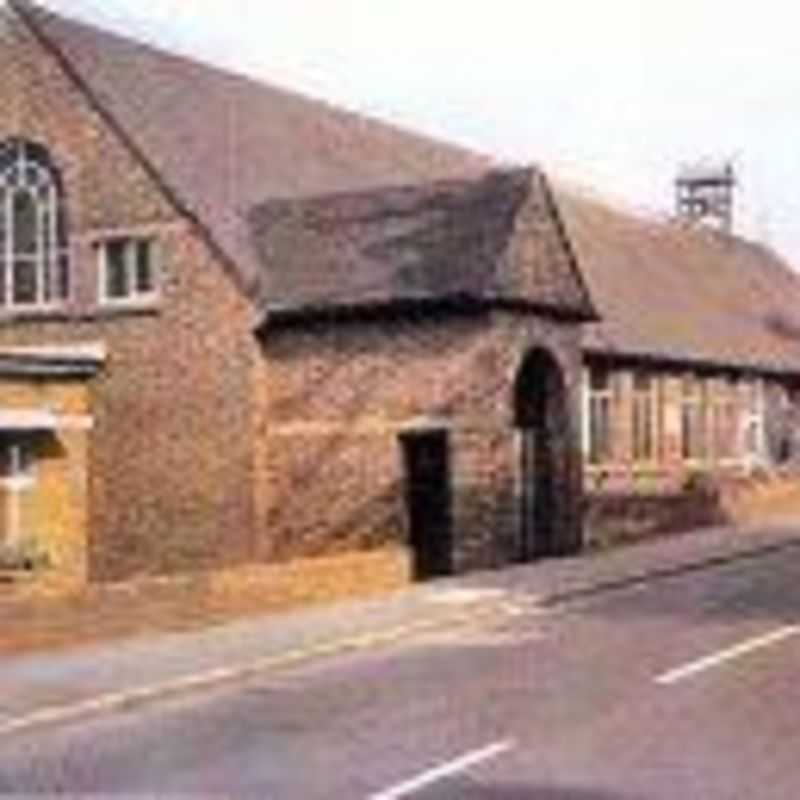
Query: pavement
[{"x": 58, "y": 687}]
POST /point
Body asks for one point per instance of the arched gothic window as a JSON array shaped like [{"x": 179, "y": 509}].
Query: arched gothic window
[{"x": 34, "y": 260}]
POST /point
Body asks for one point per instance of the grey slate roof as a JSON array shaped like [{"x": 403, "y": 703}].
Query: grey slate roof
[
  {"x": 457, "y": 240},
  {"x": 246, "y": 158}
]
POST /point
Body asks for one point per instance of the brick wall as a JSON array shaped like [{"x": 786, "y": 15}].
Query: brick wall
[
  {"x": 171, "y": 453},
  {"x": 186, "y": 472},
  {"x": 334, "y": 400}
]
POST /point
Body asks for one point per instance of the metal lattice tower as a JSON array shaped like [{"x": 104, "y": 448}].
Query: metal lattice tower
[{"x": 704, "y": 195}]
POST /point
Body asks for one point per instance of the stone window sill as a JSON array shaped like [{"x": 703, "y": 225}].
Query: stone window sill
[
  {"x": 84, "y": 314},
  {"x": 124, "y": 308}
]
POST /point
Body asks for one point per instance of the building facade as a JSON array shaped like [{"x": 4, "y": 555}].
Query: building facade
[
  {"x": 306, "y": 335},
  {"x": 303, "y": 336}
]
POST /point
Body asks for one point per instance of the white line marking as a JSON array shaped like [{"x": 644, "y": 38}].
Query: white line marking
[
  {"x": 692, "y": 668},
  {"x": 459, "y": 764},
  {"x": 133, "y": 696}
]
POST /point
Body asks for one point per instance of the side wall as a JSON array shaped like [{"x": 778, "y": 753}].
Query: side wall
[
  {"x": 333, "y": 402},
  {"x": 171, "y": 459}
]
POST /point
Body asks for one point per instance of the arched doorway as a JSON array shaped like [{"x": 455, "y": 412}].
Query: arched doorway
[{"x": 541, "y": 416}]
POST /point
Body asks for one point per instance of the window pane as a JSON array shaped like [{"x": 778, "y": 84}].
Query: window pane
[
  {"x": 116, "y": 269},
  {"x": 3, "y": 221},
  {"x": 599, "y": 378},
  {"x": 599, "y": 430},
  {"x": 144, "y": 267},
  {"x": 642, "y": 427},
  {"x": 62, "y": 276},
  {"x": 17, "y": 457},
  {"x": 24, "y": 222},
  {"x": 24, "y": 281},
  {"x": 687, "y": 431}
]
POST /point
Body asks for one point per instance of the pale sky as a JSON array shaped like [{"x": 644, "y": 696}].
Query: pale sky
[{"x": 609, "y": 94}]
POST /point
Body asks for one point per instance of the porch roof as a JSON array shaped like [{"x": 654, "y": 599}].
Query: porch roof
[{"x": 78, "y": 360}]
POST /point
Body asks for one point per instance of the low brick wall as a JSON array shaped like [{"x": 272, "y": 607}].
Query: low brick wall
[
  {"x": 616, "y": 516},
  {"x": 613, "y": 518},
  {"x": 255, "y": 586},
  {"x": 311, "y": 580},
  {"x": 51, "y": 613}
]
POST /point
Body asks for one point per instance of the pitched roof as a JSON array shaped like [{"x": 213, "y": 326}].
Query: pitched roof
[
  {"x": 458, "y": 240},
  {"x": 685, "y": 295},
  {"x": 228, "y": 146},
  {"x": 224, "y": 143}
]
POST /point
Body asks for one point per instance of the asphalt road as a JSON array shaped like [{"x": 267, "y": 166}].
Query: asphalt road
[{"x": 680, "y": 688}]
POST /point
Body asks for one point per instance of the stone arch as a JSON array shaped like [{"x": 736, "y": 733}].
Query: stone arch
[{"x": 547, "y": 495}]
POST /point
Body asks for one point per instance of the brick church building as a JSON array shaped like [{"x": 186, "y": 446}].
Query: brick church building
[
  {"x": 238, "y": 326},
  {"x": 241, "y": 327}
]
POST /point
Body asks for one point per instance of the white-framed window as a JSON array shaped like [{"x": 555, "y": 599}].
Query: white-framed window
[
  {"x": 724, "y": 421},
  {"x": 17, "y": 461},
  {"x": 694, "y": 419},
  {"x": 645, "y": 417},
  {"x": 34, "y": 252},
  {"x": 128, "y": 270},
  {"x": 17, "y": 477},
  {"x": 599, "y": 389},
  {"x": 753, "y": 422}
]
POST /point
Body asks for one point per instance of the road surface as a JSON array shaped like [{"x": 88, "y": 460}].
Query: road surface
[{"x": 684, "y": 687}]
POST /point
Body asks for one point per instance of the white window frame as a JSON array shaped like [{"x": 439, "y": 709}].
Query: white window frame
[
  {"x": 645, "y": 400},
  {"x": 50, "y": 253},
  {"x": 21, "y": 478},
  {"x": 698, "y": 399},
  {"x": 22, "y": 466},
  {"x": 753, "y": 418},
  {"x": 724, "y": 422},
  {"x": 593, "y": 397},
  {"x": 134, "y": 296}
]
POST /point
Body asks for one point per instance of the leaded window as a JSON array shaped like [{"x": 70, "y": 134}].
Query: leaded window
[{"x": 34, "y": 259}]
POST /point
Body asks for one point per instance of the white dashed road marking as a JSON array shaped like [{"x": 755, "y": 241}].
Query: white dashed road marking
[
  {"x": 729, "y": 654},
  {"x": 460, "y": 764}
]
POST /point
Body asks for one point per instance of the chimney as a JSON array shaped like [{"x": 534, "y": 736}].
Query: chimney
[{"x": 704, "y": 195}]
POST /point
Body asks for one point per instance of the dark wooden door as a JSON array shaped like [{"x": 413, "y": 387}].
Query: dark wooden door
[
  {"x": 527, "y": 494},
  {"x": 428, "y": 500},
  {"x": 538, "y": 501}
]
